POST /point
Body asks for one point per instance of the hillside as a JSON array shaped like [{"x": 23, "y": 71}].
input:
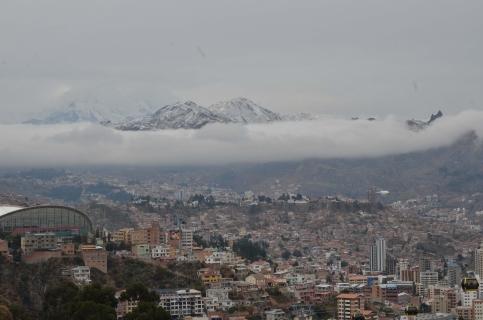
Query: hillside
[
  {"x": 454, "y": 169},
  {"x": 23, "y": 285}
]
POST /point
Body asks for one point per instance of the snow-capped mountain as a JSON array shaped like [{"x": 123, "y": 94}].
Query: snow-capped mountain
[
  {"x": 243, "y": 110},
  {"x": 93, "y": 111},
  {"x": 189, "y": 115},
  {"x": 186, "y": 115}
]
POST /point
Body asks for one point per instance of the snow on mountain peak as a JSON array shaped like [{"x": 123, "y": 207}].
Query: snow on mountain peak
[
  {"x": 92, "y": 110},
  {"x": 243, "y": 110},
  {"x": 180, "y": 115}
]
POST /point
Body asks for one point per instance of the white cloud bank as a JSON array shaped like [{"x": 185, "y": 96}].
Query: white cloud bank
[{"x": 87, "y": 144}]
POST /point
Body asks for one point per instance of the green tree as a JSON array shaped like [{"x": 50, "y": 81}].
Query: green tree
[
  {"x": 139, "y": 292},
  {"x": 99, "y": 294},
  {"x": 56, "y": 300},
  {"x": 66, "y": 301},
  {"x": 148, "y": 311},
  {"x": 89, "y": 310},
  {"x": 297, "y": 253},
  {"x": 250, "y": 250},
  {"x": 286, "y": 254}
]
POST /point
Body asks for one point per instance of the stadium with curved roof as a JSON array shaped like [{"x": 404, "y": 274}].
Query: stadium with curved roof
[{"x": 58, "y": 219}]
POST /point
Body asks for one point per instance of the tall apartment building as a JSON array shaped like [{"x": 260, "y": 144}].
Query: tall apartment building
[
  {"x": 454, "y": 274},
  {"x": 187, "y": 240},
  {"x": 377, "y": 259},
  {"x": 391, "y": 264},
  {"x": 411, "y": 274},
  {"x": 94, "y": 257},
  {"x": 439, "y": 304},
  {"x": 348, "y": 304},
  {"x": 428, "y": 278},
  {"x": 122, "y": 235},
  {"x": 149, "y": 235},
  {"x": 181, "y": 303},
  {"x": 442, "y": 299},
  {"x": 402, "y": 265},
  {"x": 425, "y": 264},
  {"x": 478, "y": 261}
]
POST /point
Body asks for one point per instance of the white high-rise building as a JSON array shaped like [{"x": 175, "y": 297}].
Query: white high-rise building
[
  {"x": 187, "y": 240},
  {"x": 378, "y": 255},
  {"x": 479, "y": 261}
]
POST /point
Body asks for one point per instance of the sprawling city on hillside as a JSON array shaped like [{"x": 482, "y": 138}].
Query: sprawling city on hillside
[{"x": 219, "y": 254}]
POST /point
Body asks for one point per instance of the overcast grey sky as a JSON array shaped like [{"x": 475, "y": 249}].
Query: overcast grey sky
[{"x": 406, "y": 58}]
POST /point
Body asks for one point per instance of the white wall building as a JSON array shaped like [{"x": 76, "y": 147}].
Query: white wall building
[
  {"x": 180, "y": 303},
  {"x": 160, "y": 251},
  {"x": 81, "y": 274}
]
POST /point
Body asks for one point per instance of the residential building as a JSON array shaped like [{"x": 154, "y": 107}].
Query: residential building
[
  {"x": 464, "y": 312},
  {"x": 428, "y": 278},
  {"x": 257, "y": 279},
  {"x": 37, "y": 241},
  {"x": 259, "y": 266},
  {"x": 122, "y": 235},
  {"x": 221, "y": 257},
  {"x": 68, "y": 249},
  {"x": 454, "y": 274},
  {"x": 348, "y": 304},
  {"x": 478, "y": 261},
  {"x": 81, "y": 274},
  {"x": 187, "y": 240},
  {"x": 219, "y": 298},
  {"x": 468, "y": 297},
  {"x": 210, "y": 276},
  {"x": 162, "y": 251},
  {"x": 94, "y": 257},
  {"x": 180, "y": 303},
  {"x": 385, "y": 292},
  {"x": 141, "y": 250},
  {"x": 477, "y": 309},
  {"x": 275, "y": 314}
]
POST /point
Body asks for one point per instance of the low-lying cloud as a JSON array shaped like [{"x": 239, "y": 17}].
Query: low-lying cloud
[{"x": 89, "y": 144}]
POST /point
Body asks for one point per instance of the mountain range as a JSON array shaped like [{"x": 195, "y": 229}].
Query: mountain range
[
  {"x": 92, "y": 110},
  {"x": 181, "y": 115}
]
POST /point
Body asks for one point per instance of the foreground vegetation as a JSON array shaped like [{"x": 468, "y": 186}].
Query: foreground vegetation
[{"x": 38, "y": 291}]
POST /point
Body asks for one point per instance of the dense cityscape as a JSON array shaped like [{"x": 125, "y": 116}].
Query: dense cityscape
[{"x": 244, "y": 255}]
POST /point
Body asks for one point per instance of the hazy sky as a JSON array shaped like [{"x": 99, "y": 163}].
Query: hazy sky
[{"x": 406, "y": 58}]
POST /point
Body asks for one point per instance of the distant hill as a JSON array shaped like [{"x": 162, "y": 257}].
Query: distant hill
[{"x": 454, "y": 169}]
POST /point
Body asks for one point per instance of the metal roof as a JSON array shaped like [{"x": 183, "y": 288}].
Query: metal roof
[{"x": 8, "y": 209}]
